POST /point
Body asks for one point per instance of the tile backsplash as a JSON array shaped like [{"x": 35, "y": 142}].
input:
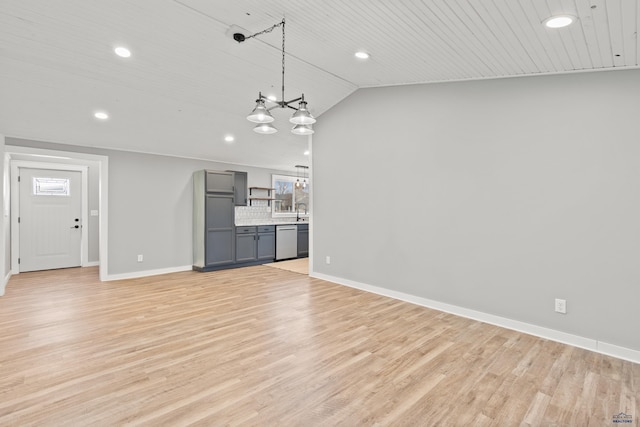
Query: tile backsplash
[{"x": 257, "y": 215}]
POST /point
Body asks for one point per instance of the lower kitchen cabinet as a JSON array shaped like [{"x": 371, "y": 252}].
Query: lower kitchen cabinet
[
  {"x": 246, "y": 248},
  {"x": 303, "y": 240},
  {"x": 266, "y": 242},
  {"x": 255, "y": 244}
]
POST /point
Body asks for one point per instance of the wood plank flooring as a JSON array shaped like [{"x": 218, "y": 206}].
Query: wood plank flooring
[
  {"x": 267, "y": 347},
  {"x": 300, "y": 265}
]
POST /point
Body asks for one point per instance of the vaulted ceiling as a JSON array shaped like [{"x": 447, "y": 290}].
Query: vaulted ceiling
[{"x": 188, "y": 83}]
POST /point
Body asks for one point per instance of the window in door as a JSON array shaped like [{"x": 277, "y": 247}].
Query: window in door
[{"x": 51, "y": 187}]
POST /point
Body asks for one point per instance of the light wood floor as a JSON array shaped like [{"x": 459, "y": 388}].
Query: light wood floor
[
  {"x": 300, "y": 265},
  {"x": 263, "y": 346}
]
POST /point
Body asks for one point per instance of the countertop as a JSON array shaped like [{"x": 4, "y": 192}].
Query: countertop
[{"x": 272, "y": 223}]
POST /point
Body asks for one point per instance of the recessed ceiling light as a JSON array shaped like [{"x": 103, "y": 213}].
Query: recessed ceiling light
[
  {"x": 229, "y": 138},
  {"x": 101, "y": 115},
  {"x": 122, "y": 52},
  {"x": 559, "y": 21},
  {"x": 361, "y": 54},
  {"x": 306, "y": 153}
]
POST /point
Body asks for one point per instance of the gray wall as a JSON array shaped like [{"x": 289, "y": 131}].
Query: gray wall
[
  {"x": 5, "y": 233},
  {"x": 494, "y": 195},
  {"x": 150, "y": 200}
]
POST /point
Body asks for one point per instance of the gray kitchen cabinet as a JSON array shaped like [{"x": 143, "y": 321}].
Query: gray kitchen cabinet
[
  {"x": 241, "y": 188},
  {"x": 266, "y": 242},
  {"x": 218, "y": 181},
  {"x": 303, "y": 240},
  {"x": 246, "y": 244},
  {"x": 255, "y": 243},
  {"x": 213, "y": 220},
  {"x": 219, "y": 223}
]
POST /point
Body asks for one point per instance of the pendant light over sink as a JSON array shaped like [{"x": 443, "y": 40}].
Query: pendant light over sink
[{"x": 301, "y": 118}]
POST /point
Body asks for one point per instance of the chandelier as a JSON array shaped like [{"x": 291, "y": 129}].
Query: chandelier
[{"x": 301, "y": 118}]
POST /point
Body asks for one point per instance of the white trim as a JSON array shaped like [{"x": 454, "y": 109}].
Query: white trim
[
  {"x": 102, "y": 164},
  {"x": 16, "y": 165},
  {"x": 516, "y": 325},
  {"x": 73, "y": 154},
  {"x": 146, "y": 273},
  {"x": 473, "y": 79},
  {"x": 3, "y": 285},
  {"x": 619, "y": 352},
  {"x": 311, "y": 201},
  {"x": 92, "y": 264}
]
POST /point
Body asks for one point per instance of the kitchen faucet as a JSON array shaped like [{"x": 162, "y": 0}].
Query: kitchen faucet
[{"x": 298, "y": 211}]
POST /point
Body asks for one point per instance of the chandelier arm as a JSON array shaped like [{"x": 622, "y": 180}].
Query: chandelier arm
[{"x": 294, "y": 100}]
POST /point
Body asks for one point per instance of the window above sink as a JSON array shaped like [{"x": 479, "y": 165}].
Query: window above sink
[{"x": 291, "y": 196}]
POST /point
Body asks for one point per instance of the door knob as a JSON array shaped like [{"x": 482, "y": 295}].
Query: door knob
[{"x": 75, "y": 226}]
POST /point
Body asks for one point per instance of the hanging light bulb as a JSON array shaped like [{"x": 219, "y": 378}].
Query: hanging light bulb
[
  {"x": 260, "y": 114},
  {"x": 302, "y": 130},
  {"x": 265, "y": 129},
  {"x": 302, "y": 116}
]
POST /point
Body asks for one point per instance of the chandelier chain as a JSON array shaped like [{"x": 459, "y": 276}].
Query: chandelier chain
[
  {"x": 268, "y": 30},
  {"x": 282, "y": 99}
]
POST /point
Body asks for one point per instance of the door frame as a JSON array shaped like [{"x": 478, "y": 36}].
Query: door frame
[{"x": 15, "y": 206}]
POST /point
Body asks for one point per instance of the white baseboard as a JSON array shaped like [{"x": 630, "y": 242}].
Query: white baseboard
[
  {"x": 146, "y": 273},
  {"x": 3, "y": 285},
  {"x": 527, "y": 328},
  {"x": 91, "y": 264}
]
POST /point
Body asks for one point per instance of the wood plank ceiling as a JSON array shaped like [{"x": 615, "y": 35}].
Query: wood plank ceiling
[{"x": 188, "y": 83}]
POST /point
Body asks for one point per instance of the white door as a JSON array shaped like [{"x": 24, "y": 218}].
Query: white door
[{"x": 50, "y": 219}]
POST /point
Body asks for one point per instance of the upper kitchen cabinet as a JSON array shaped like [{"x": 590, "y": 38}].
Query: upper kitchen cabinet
[
  {"x": 219, "y": 182},
  {"x": 240, "y": 184}
]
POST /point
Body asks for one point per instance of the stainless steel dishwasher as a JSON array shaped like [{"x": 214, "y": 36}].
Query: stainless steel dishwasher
[{"x": 286, "y": 242}]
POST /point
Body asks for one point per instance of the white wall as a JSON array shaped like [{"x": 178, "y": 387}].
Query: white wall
[{"x": 496, "y": 196}]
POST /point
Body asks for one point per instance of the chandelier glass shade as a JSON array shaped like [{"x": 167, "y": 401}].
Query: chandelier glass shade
[
  {"x": 302, "y": 116},
  {"x": 265, "y": 129},
  {"x": 302, "y": 130},
  {"x": 260, "y": 114}
]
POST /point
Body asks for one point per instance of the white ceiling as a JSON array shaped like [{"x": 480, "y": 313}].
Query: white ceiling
[{"x": 188, "y": 84}]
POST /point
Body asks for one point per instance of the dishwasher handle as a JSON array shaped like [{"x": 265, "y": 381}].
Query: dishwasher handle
[{"x": 283, "y": 228}]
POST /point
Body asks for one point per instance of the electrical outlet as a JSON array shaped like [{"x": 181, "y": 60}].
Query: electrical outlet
[
  {"x": 561, "y": 306},
  {"x": 327, "y": 260},
  {"x": 140, "y": 258}
]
